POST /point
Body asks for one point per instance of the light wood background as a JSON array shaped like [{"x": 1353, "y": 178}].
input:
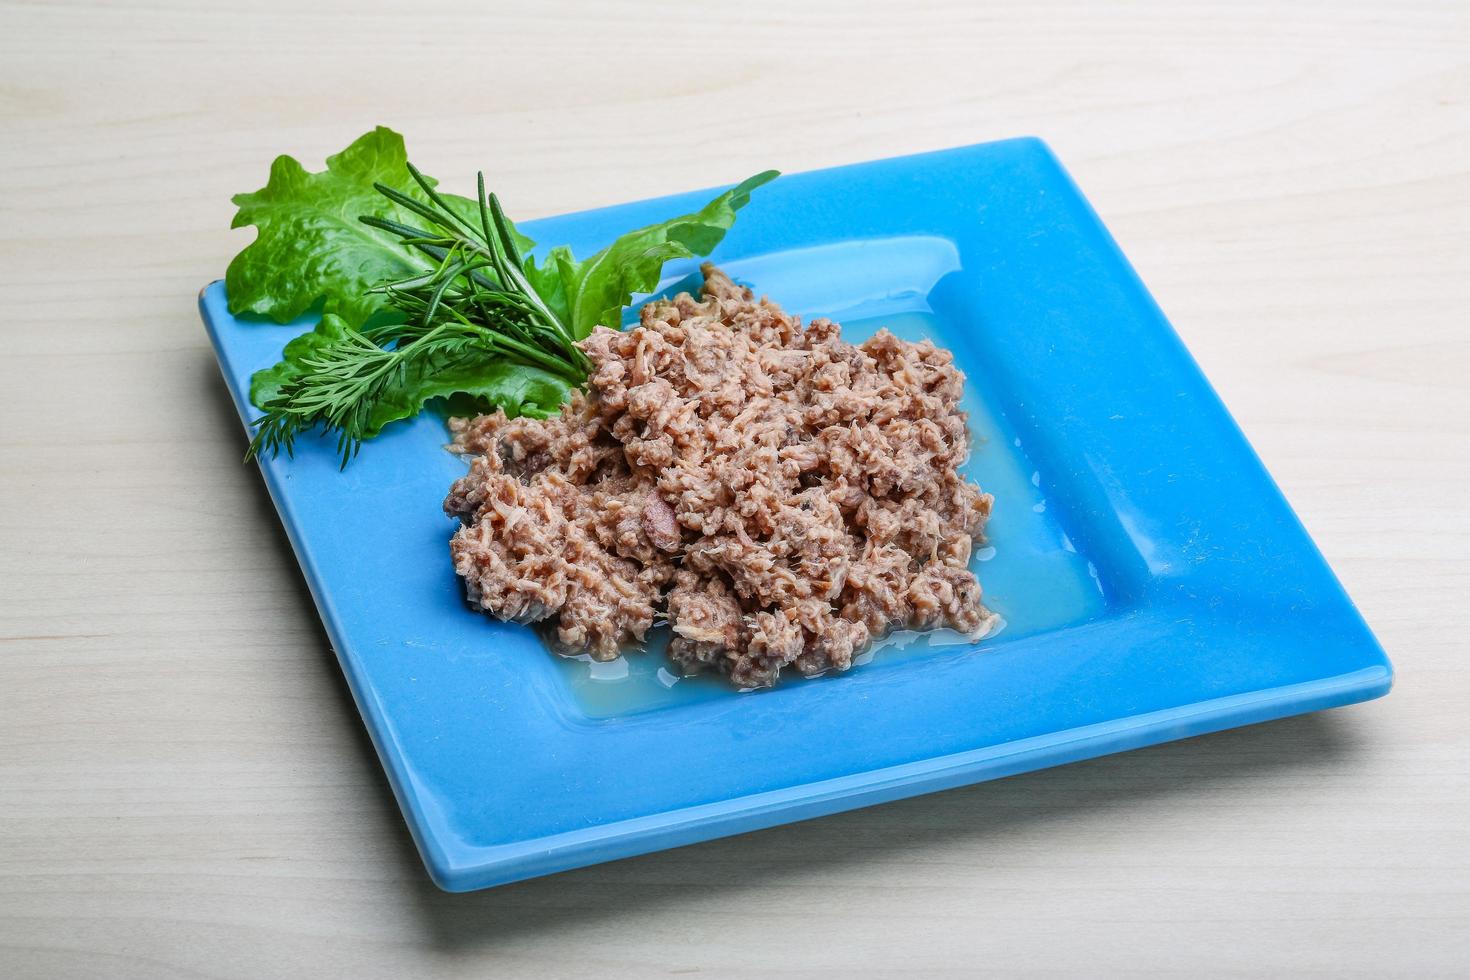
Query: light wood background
[{"x": 185, "y": 787}]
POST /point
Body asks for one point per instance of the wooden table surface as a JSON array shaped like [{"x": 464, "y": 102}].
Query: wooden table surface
[{"x": 185, "y": 786}]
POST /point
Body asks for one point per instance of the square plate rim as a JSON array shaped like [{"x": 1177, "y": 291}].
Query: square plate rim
[{"x": 458, "y": 867}]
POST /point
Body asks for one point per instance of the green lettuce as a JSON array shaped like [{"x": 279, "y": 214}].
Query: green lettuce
[{"x": 311, "y": 246}]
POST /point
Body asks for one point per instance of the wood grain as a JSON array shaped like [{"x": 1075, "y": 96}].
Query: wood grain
[{"x": 185, "y": 789}]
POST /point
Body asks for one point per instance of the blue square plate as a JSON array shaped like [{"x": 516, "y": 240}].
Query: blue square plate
[{"x": 1153, "y": 582}]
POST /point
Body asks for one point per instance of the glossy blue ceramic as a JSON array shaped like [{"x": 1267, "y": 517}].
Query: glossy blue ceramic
[{"x": 1154, "y": 582}]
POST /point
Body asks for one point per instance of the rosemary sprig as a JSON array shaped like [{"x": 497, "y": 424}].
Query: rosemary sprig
[{"x": 479, "y": 271}]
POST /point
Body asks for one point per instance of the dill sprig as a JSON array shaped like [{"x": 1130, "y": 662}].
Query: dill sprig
[{"x": 341, "y": 385}]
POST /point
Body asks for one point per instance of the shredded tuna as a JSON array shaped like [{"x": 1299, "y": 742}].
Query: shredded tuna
[{"x": 782, "y": 495}]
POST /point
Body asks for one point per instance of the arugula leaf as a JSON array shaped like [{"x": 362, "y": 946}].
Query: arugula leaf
[
  {"x": 311, "y": 244},
  {"x": 593, "y": 292},
  {"x": 486, "y": 382}
]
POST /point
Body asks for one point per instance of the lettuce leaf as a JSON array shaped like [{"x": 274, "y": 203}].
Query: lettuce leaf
[
  {"x": 594, "y": 291},
  {"x": 311, "y": 246}
]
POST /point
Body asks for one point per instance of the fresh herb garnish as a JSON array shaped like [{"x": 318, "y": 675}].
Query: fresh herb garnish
[{"x": 427, "y": 295}]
